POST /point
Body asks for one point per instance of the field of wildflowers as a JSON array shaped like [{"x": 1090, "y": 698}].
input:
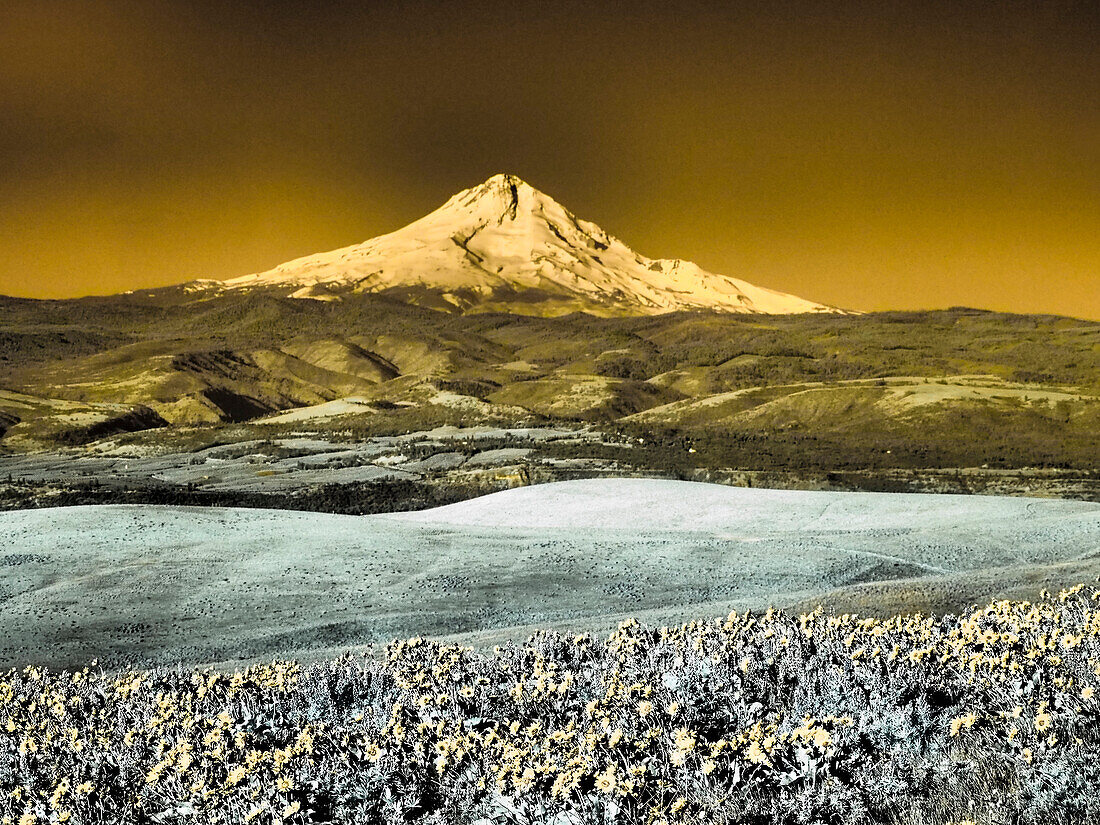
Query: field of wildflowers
[{"x": 990, "y": 717}]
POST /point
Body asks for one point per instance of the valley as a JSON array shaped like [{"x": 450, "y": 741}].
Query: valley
[
  {"x": 503, "y": 312},
  {"x": 328, "y": 454},
  {"x": 329, "y": 471},
  {"x": 349, "y": 478},
  {"x": 805, "y": 395}
]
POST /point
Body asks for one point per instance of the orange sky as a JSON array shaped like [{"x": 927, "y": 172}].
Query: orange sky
[{"x": 875, "y": 155}]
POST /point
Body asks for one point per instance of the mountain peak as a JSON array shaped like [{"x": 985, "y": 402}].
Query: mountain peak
[
  {"x": 503, "y": 245},
  {"x": 504, "y": 180},
  {"x": 501, "y": 190}
]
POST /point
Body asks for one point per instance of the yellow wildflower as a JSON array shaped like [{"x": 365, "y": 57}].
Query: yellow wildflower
[
  {"x": 606, "y": 781},
  {"x": 1042, "y": 721}
]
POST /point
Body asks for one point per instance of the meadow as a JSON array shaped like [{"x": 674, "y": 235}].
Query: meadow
[{"x": 987, "y": 717}]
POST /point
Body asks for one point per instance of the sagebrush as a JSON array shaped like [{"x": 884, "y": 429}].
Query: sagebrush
[{"x": 988, "y": 717}]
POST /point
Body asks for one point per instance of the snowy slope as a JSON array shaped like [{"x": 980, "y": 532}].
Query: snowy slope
[
  {"x": 615, "y": 504},
  {"x": 208, "y": 584},
  {"x": 505, "y": 245}
]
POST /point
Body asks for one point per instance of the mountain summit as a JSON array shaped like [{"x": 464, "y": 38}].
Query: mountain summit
[{"x": 504, "y": 245}]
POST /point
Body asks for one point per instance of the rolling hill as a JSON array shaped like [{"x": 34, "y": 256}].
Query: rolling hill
[
  {"x": 955, "y": 388},
  {"x": 168, "y": 584},
  {"x": 501, "y": 308}
]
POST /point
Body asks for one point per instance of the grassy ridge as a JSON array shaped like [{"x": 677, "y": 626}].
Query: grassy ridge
[{"x": 990, "y": 717}]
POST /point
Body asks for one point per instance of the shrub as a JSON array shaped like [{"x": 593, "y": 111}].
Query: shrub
[{"x": 988, "y": 717}]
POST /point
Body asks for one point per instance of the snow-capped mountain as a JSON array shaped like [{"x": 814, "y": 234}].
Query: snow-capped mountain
[{"x": 504, "y": 245}]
